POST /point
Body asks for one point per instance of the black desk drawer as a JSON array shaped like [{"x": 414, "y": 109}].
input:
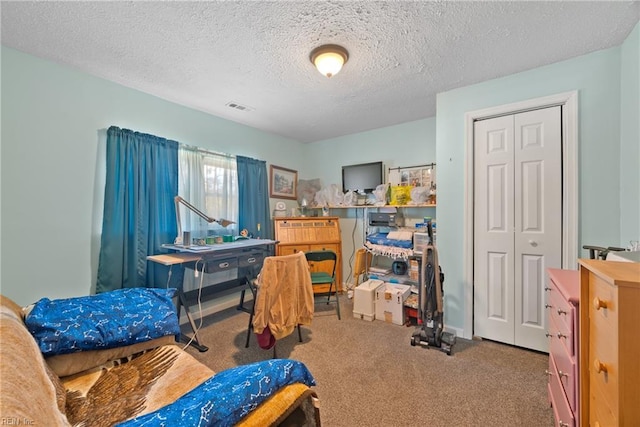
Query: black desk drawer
[
  {"x": 221, "y": 264},
  {"x": 250, "y": 259}
]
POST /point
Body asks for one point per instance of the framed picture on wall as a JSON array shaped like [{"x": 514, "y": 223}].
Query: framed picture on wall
[{"x": 283, "y": 183}]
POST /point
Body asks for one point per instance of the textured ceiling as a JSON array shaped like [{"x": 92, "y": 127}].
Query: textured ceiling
[{"x": 256, "y": 53}]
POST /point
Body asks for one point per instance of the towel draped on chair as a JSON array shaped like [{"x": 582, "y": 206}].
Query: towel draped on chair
[{"x": 284, "y": 299}]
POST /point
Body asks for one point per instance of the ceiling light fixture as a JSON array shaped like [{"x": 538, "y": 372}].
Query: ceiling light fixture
[{"x": 329, "y": 59}]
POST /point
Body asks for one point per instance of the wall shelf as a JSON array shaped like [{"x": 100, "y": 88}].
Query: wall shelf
[{"x": 374, "y": 206}]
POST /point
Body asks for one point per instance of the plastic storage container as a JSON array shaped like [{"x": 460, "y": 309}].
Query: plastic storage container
[
  {"x": 364, "y": 299},
  {"x": 420, "y": 241}
]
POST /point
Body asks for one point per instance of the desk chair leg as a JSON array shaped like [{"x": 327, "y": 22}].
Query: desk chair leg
[
  {"x": 299, "y": 333},
  {"x": 337, "y": 300},
  {"x": 253, "y": 305},
  {"x": 249, "y": 330}
]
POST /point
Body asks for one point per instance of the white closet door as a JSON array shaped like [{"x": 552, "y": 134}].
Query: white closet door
[
  {"x": 538, "y": 219},
  {"x": 493, "y": 229},
  {"x": 517, "y": 224}
]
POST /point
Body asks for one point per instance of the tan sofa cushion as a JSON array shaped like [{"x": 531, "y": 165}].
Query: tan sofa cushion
[{"x": 28, "y": 393}]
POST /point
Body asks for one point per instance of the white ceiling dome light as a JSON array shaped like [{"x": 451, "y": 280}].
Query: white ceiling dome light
[{"x": 329, "y": 59}]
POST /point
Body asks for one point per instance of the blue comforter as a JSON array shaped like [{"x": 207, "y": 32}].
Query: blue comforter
[{"x": 229, "y": 395}]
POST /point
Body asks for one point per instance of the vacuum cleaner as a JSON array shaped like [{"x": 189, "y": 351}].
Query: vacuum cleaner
[{"x": 429, "y": 332}]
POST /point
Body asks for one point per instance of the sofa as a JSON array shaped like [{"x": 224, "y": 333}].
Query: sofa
[{"x": 112, "y": 359}]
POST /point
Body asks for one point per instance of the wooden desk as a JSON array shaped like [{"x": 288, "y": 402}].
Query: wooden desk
[{"x": 246, "y": 256}]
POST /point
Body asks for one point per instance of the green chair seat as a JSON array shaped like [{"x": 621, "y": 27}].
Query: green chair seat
[
  {"x": 321, "y": 278},
  {"x": 325, "y": 278}
]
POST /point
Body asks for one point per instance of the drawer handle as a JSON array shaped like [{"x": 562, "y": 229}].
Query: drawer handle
[
  {"x": 561, "y": 335},
  {"x": 562, "y": 424},
  {"x": 548, "y": 372},
  {"x": 598, "y": 303},
  {"x": 223, "y": 265},
  {"x": 548, "y": 306},
  {"x": 546, "y": 288},
  {"x": 563, "y": 374},
  {"x": 599, "y": 366},
  {"x": 548, "y": 335},
  {"x": 561, "y": 311},
  {"x": 251, "y": 260}
]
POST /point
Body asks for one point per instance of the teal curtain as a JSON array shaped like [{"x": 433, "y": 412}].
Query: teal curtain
[
  {"x": 253, "y": 197},
  {"x": 139, "y": 214}
]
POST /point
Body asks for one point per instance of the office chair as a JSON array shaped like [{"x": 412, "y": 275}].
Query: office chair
[
  {"x": 320, "y": 259},
  {"x": 283, "y": 300}
]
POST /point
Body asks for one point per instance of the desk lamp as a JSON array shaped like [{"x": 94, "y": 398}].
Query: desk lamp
[{"x": 179, "y": 200}]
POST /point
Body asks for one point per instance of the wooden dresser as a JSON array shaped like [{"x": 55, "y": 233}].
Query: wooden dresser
[
  {"x": 609, "y": 343},
  {"x": 310, "y": 234},
  {"x": 563, "y": 301}
]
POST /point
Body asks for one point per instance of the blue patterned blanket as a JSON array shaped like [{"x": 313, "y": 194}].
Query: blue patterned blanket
[
  {"x": 107, "y": 320},
  {"x": 228, "y": 396}
]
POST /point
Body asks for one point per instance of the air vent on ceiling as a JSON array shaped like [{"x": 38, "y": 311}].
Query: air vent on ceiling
[{"x": 237, "y": 106}]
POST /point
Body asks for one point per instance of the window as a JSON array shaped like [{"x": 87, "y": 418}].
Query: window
[{"x": 208, "y": 181}]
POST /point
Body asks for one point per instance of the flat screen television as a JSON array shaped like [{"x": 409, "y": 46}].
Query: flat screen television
[{"x": 363, "y": 177}]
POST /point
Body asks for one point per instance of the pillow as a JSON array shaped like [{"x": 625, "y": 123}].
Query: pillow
[
  {"x": 108, "y": 320},
  {"x": 64, "y": 365}
]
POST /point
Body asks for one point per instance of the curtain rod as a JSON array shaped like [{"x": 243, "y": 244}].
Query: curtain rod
[
  {"x": 202, "y": 150},
  {"x": 411, "y": 167}
]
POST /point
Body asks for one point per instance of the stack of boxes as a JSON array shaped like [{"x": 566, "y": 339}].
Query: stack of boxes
[{"x": 375, "y": 299}]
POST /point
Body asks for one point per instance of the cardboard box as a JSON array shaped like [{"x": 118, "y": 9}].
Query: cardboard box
[
  {"x": 364, "y": 299},
  {"x": 414, "y": 272},
  {"x": 390, "y": 299}
]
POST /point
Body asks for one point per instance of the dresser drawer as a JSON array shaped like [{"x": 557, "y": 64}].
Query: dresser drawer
[
  {"x": 605, "y": 383},
  {"x": 561, "y": 309},
  {"x": 291, "y": 249},
  {"x": 602, "y": 302},
  {"x": 561, "y": 328},
  {"x": 601, "y": 410},
  {"x": 566, "y": 370},
  {"x": 562, "y": 410}
]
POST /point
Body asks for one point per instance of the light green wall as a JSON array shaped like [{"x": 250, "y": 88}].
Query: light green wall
[
  {"x": 630, "y": 138},
  {"x": 53, "y": 170},
  {"x": 407, "y": 144},
  {"x": 597, "y": 78}
]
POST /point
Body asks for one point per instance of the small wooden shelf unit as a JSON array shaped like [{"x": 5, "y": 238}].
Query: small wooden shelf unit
[{"x": 310, "y": 234}]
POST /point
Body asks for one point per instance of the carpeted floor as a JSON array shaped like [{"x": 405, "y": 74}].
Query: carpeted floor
[{"x": 368, "y": 374}]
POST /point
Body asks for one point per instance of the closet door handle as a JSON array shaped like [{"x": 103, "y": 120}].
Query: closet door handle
[{"x": 533, "y": 243}]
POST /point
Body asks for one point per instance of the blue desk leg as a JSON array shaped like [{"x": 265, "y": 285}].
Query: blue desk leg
[{"x": 194, "y": 341}]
